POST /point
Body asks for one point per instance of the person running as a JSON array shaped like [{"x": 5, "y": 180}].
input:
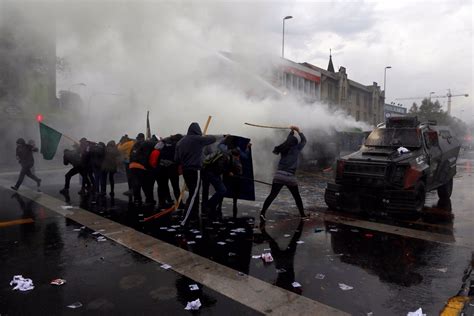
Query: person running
[
  {"x": 189, "y": 154},
  {"x": 289, "y": 151},
  {"x": 24, "y": 155}
]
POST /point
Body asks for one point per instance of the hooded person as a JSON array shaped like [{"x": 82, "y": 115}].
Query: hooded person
[
  {"x": 73, "y": 157},
  {"x": 24, "y": 155},
  {"x": 189, "y": 155},
  {"x": 289, "y": 152},
  {"x": 109, "y": 167}
]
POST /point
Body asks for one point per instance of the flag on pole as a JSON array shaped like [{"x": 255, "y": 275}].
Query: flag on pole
[
  {"x": 148, "y": 131},
  {"x": 49, "y": 141}
]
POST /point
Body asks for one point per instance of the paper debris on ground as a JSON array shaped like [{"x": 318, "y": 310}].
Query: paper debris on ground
[
  {"x": 101, "y": 238},
  {"x": 75, "y": 305},
  {"x": 95, "y": 233},
  {"x": 354, "y": 230},
  {"x": 444, "y": 270},
  {"x": 193, "y": 287},
  {"x": 280, "y": 270},
  {"x": 171, "y": 230},
  {"x": 318, "y": 230},
  {"x": 300, "y": 242},
  {"x": 221, "y": 243},
  {"x": 320, "y": 276},
  {"x": 77, "y": 229},
  {"x": 267, "y": 257},
  {"x": 193, "y": 305},
  {"x": 345, "y": 287},
  {"x": 232, "y": 254},
  {"x": 22, "y": 284},
  {"x": 165, "y": 266},
  {"x": 296, "y": 284},
  {"x": 266, "y": 249},
  {"x": 67, "y": 207},
  {"x": 418, "y": 312},
  {"x": 191, "y": 242},
  {"x": 57, "y": 282},
  {"x": 198, "y": 236},
  {"x": 256, "y": 256},
  {"x": 334, "y": 230},
  {"x": 286, "y": 235},
  {"x": 163, "y": 227}
]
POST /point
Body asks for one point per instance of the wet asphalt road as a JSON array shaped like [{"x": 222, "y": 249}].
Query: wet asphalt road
[{"x": 390, "y": 273}]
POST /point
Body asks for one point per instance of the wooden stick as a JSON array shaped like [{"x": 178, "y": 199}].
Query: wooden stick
[{"x": 267, "y": 126}]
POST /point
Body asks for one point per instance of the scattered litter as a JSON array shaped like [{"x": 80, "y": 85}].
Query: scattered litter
[
  {"x": 57, "y": 282},
  {"x": 300, "y": 242},
  {"x": 267, "y": 249},
  {"x": 354, "y": 230},
  {"x": 175, "y": 226},
  {"x": 334, "y": 230},
  {"x": 178, "y": 235},
  {"x": 83, "y": 227},
  {"x": 280, "y": 270},
  {"x": 320, "y": 276},
  {"x": 402, "y": 150},
  {"x": 238, "y": 230},
  {"x": 267, "y": 257},
  {"x": 75, "y": 305},
  {"x": 193, "y": 287},
  {"x": 191, "y": 242},
  {"x": 369, "y": 235},
  {"x": 101, "y": 238},
  {"x": 370, "y": 314},
  {"x": 195, "y": 231},
  {"x": 67, "y": 207},
  {"x": 232, "y": 254},
  {"x": 286, "y": 235},
  {"x": 345, "y": 287},
  {"x": 163, "y": 227},
  {"x": 271, "y": 220},
  {"x": 165, "y": 266},
  {"x": 444, "y": 270},
  {"x": 318, "y": 230},
  {"x": 222, "y": 243},
  {"x": 240, "y": 273},
  {"x": 95, "y": 233},
  {"x": 296, "y": 284},
  {"x": 171, "y": 230},
  {"x": 256, "y": 256},
  {"x": 102, "y": 230},
  {"x": 229, "y": 240},
  {"x": 418, "y": 312},
  {"x": 21, "y": 283},
  {"x": 232, "y": 234},
  {"x": 198, "y": 236},
  {"x": 77, "y": 229}
]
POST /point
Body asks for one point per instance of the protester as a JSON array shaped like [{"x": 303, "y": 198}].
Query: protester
[
  {"x": 125, "y": 147},
  {"x": 189, "y": 154},
  {"x": 73, "y": 157},
  {"x": 141, "y": 177},
  {"x": 214, "y": 166},
  {"x": 84, "y": 147},
  {"x": 97, "y": 152},
  {"x": 168, "y": 171},
  {"x": 24, "y": 155},
  {"x": 285, "y": 174},
  {"x": 109, "y": 168}
]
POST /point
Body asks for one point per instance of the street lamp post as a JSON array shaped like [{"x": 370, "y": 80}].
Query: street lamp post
[
  {"x": 283, "y": 38},
  {"x": 384, "y": 81}
]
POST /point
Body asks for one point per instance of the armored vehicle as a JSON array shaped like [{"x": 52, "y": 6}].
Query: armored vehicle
[{"x": 399, "y": 162}]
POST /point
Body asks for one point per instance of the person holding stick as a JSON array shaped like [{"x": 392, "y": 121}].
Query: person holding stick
[{"x": 289, "y": 151}]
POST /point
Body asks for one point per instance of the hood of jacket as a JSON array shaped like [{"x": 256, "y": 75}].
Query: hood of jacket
[{"x": 194, "y": 129}]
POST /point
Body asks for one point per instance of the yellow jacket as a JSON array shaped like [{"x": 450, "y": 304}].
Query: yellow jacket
[{"x": 125, "y": 149}]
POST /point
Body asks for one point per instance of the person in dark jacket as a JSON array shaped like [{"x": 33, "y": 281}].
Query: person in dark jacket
[
  {"x": 168, "y": 171},
  {"x": 24, "y": 155},
  {"x": 215, "y": 166},
  {"x": 109, "y": 168},
  {"x": 88, "y": 177},
  {"x": 140, "y": 170},
  {"x": 189, "y": 154},
  {"x": 73, "y": 157},
  {"x": 97, "y": 152},
  {"x": 285, "y": 175}
]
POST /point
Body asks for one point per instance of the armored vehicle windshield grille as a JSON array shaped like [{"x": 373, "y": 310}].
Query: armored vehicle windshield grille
[{"x": 364, "y": 170}]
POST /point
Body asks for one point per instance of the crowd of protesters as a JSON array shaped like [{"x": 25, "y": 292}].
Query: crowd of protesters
[{"x": 162, "y": 161}]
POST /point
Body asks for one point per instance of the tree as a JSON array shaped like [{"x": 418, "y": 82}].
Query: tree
[{"x": 432, "y": 111}]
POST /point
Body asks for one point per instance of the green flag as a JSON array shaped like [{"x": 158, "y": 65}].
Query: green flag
[{"x": 49, "y": 141}]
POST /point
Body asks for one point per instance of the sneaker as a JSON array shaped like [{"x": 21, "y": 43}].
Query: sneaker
[{"x": 14, "y": 188}]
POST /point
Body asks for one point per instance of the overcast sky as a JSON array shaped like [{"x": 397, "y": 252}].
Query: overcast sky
[{"x": 429, "y": 44}]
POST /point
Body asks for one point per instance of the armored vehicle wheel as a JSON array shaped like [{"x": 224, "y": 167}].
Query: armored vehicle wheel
[
  {"x": 444, "y": 191},
  {"x": 420, "y": 196}
]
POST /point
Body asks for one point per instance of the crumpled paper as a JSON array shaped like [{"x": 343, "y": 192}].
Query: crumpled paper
[
  {"x": 345, "y": 287},
  {"x": 418, "y": 312},
  {"x": 267, "y": 257},
  {"x": 21, "y": 283},
  {"x": 193, "y": 305}
]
